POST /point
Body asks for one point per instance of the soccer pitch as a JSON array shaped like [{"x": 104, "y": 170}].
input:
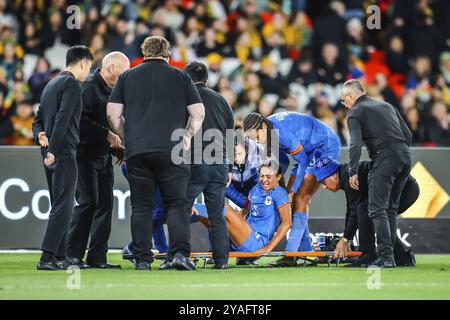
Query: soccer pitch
[{"x": 430, "y": 279}]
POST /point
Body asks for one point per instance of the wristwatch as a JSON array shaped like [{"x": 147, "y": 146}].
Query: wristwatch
[{"x": 344, "y": 239}]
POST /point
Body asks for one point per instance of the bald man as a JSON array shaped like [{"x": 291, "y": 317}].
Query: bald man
[{"x": 94, "y": 193}]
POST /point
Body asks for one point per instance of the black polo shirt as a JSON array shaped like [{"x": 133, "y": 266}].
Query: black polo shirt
[
  {"x": 155, "y": 96},
  {"x": 94, "y": 126},
  {"x": 218, "y": 119}
]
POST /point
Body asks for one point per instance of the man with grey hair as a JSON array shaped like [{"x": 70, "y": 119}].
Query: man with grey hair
[
  {"x": 150, "y": 103},
  {"x": 387, "y": 139},
  {"x": 94, "y": 193}
]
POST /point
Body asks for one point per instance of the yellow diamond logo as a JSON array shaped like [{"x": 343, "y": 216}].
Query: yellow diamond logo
[{"x": 432, "y": 198}]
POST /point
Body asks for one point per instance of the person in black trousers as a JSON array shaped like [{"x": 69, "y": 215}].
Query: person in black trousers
[
  {"x": 211, "y": 171},
  {"x": 149, "y": 106},
  {"x": 387, "y": 139},
  {"x": 357, "y": 217},
  {"x": 94, "y": 194},
  {"x": 56, "y": 129}
]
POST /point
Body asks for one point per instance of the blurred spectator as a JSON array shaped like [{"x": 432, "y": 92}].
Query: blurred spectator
[
  {"x": 265, "y": 107},
  {"x": 22, "y": 122},
  {"x": 396, "y": 56},
  {"x": 386, "y": 92},
  {"x": 9, "y": 60},
  {"x": 445, "y": 67},
  {"x": 181, "y": 52},
  {"x": 341, "y": 124},
  {"x": 426, "y": 39},
  {"x": 30, "y": 40},
  {"x": 330, "y": 67},
  {"x": 299, "y": 33},
  {"x": 262, "y": 55},
  {"x": 302, "y": 72},
  {"x": 330, "y": 28},
  {"x": 271, "y": 79},
  {"x": 288, "y": 104},
  {"x": 209, "y": 44},
  {"x": 52, "y": 28},
  {"x": 169, "y": 15},
  {"x": 39, "y": 79},
  {"x": 357, "y": 42},
  {"x": 6, "y": 128},
  {"x": 418, "y": 130},
  {"x": 439, "y": 132}
]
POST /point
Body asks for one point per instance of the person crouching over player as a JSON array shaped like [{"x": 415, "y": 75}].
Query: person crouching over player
[
  {"x": 261, "y": 225},
  {"x": 336, "y": 177}
]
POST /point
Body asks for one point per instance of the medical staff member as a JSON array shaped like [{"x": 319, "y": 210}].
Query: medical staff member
[
  {"x": 382, "y": 129},
  {"x": 336, "y": 177},
  {"x": 147, "y": 105}
]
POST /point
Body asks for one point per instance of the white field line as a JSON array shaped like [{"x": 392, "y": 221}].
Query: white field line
[{"x": 235, "y": 285}]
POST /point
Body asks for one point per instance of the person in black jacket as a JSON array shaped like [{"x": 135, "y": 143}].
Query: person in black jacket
[
  {"x": 57, "y": 129},
  {"x": 211, "y": 176},
  {"x": 94, "y": 195},
  {"x": 357, "y": 217},
  {"x": 151, "y": 106},
  {"x": 387, "y": 139}
]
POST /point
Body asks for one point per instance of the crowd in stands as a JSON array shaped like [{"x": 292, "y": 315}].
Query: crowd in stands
[{"x": 264, "y": 56}]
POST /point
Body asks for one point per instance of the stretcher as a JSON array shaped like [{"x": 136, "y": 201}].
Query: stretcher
[{"x": 305, "y": 256}]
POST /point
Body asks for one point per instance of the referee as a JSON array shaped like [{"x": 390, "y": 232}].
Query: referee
[
  {"x": 387, "y": 138},
  {"x": 92, "y": 215},
  {"x": 57, "y": 129},
  {"x": 147, "y": 105}
]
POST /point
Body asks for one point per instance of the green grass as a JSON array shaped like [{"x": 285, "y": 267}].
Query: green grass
[{"x": 430, "y": 279}]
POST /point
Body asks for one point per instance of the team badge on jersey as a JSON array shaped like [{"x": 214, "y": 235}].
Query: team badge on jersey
[
  {"x": 281, "y": 116},
  {"x": 268, "y": 201}
]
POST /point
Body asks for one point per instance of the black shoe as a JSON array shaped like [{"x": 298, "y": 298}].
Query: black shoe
[
  {"x": 366, "y": 259},
  {"x": 49, "y": 266},
  {"x": 246, "y": 262},
  {"x": 165, "y": 265},
  {"x": 181, "y": 262},
  {"x": 209, "y": 261},
  {"x": 221, "y": 266},
  {"x": 407, "y": 260},
  {"x": 143, "y": 265},
  {"x": 74, "y": 262},
  {"x": 381, "y": 263},
  {"x": 104, "y": 265}
]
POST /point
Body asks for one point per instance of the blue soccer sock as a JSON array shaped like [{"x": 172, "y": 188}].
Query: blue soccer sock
[
  {"x": 159, "y": 238},
  {"x": 130, "y": 246},
  {"x": 299, "y": 224},
  {"x": 305, "y": 244}
]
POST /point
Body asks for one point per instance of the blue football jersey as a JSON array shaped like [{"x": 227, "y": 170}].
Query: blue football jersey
[
  {"x": 263, "y": 216},
  {"x": 300, "y": 135}
]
